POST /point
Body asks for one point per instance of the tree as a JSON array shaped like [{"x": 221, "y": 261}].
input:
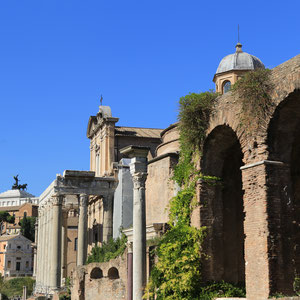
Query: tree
[
  {"x": 28, "y": 227},
  {"x": 6, "y": 217}
]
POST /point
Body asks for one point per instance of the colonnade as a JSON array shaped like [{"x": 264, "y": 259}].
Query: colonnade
[{"x": 52, "y": 244}]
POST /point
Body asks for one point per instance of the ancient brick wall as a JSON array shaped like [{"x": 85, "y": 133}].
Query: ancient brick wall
[{"x": 268, "y": 188}]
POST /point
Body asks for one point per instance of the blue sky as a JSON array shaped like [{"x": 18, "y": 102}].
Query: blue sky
[{"x": 58, "y": 57}]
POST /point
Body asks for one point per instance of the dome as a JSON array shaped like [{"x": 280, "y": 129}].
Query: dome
[{"x": 239, "y": 61}]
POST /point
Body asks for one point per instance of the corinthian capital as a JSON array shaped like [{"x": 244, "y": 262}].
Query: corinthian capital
[
  {"x": 57, "y": 200},
  {"x": 139, "y": 180},
  {"x": 83, "y": 199}
]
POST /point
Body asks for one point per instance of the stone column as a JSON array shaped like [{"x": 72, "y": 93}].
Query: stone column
[
  {"x": 48, "y": 245},
  {"x": 35, "y": 248},
  {"x": 138, "y": 170},
  {"x": 107, "y": 218},
  {"x": 43, "y": 250},
  {"x": 64, "y": 245},
  {"x": 39, "y": 248},
  {"x": 82, "y": 230},
  {"x": 24, "y": 296},
  {"x": 129, "y": 271},
  {"x": 56, "y": 242}
]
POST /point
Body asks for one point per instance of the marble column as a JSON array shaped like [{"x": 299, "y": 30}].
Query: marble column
[
  {"x": 47, "y": 244},
  {"x": 64, "y": 245},
  {"x": 82, "y": 230},
  {"x": 43, "y": 243},
  {"x": 39, "y": 248},
  {"x": 139, "y": 235},
  {"x": 129, "y": 271},
  {"x": 56, "y": 242},
  {"x": 107, "y": 217},
  {"x": 35, "y": 248},
  {"x": 138, "y": 170}
]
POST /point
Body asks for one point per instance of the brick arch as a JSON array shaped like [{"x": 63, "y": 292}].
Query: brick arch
[
  {"x": 283, "y": 192},
  {"x": 222, "y": 206}
]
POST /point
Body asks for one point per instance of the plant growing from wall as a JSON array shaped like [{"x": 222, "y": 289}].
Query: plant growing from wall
[
  {"x": 178, "y": 271},
  {"x": 109, "y": 250},
  {"x": 253, "y": 91}
]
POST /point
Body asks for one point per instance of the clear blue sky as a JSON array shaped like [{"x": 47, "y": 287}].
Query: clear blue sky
[{"x": 58, "y": 57}]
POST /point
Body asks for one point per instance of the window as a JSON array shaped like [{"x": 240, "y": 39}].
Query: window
[
  {"x": 18, "y": 258},
  {"x": 27, "y": 246},
  {"x": 75, "y": 244},
  {"x": 19, "y": 247},
  {"x": 27, "y": 264},
  {"x": 25, "y": 214},
  {"x": 18, "y": 266},
  {"x": 226, "y": 86},
  {"x": 8, "y": 264},
  {"x": 4, "y": 246},
  {"x": 9, "y": 246}
]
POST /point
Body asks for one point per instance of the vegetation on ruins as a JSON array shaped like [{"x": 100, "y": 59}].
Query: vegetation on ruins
[
  {"x": 28, "y": 227},
  {"x": 14, "y": 286},
  {"x": 109, "y": 250},
  {"x": 253, "y": 91},
  {"x": 177, "y": 274}
]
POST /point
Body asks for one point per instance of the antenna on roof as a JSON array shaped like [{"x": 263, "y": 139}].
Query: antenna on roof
[{"x": 101, "y": 99}]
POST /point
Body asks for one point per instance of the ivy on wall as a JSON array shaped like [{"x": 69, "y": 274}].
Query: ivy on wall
[{"x": 253, "y": 91}]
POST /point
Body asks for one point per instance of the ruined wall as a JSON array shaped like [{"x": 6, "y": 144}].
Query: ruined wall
[
  {"x": 159, "y": 189},
  {"x": 264, "y": 185},
  {"x": 101, "y": 281}
]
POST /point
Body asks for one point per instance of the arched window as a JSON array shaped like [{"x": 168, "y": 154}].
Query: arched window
[
  {"x": 96, "y": 273},
  {"x": 226, "y": 86},
  {"x": 113, "y": 273}
]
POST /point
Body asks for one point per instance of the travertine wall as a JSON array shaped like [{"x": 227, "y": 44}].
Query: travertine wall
[{"x": 159, "y": 189}]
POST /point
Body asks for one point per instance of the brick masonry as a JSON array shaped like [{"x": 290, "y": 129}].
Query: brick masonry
[{"x": 268, "y": 192}]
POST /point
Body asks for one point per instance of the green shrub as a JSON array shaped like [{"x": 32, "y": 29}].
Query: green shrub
[
  {"x": 253, "y": 91},
  {"x": 109, "y": 250},
  {"x": 14, "y": 286},
  {"x": 194, "y": 113}
]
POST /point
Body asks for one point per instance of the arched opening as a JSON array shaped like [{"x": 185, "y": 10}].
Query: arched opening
[
  {"x": 222, "y": 207},
  {"x": 284, "y": 194},
  {"x": 226, "y": 86},
  {"x": 113, "y": 273},
  {"x": 96, "y": 273}
]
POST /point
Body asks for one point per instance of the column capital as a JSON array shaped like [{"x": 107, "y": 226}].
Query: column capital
[
  {"x": 83, "y": 199},
  {"x": 139, "y": 180},
  {"x": 57, "y": 200}
]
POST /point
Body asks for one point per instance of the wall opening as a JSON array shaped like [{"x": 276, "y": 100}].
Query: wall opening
[
  {"x": 284, "y": 194},
  {"x": 113, "y": 273},
  {"x": 223, "y": 211},
  {"x": 96, "y": 273}
]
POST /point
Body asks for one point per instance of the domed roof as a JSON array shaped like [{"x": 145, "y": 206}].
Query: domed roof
[{"x": 239, "y": 61}]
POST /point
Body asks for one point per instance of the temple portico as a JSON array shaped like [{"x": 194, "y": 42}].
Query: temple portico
[{"x": 68, "y": 192}]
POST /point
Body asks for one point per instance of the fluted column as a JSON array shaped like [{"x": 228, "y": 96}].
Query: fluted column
[
  {"x": 107, "y": 218},
  {"x": 56, "y": 242},
  {"x": 82, "y": 230}
]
